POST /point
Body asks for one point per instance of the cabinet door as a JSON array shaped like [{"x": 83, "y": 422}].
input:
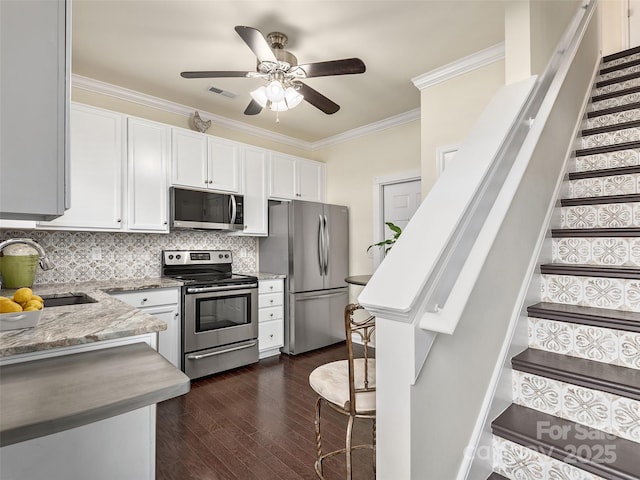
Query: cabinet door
[
  {"x": 97, "y": 153},
  {"x": 255, "y": 192},
  {"x": 282, "y": 176},
  {"x": 35, "y": 107},
  {"x": 311, "y": 183},
  {"x": 169, "y": 339},
  {"x": 147, "y": 158},
  {"x": 188, "y": 158},
  {"x": 224, "y": 165}
]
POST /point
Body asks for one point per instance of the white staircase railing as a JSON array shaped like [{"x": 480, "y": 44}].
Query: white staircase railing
[{"x": 428, "y": 276}]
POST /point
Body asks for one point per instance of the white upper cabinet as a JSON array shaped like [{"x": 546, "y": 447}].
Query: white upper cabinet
[
  {"x": 119, "y": 170},
  {"x": 148, "y": 147},
  {"x": 189, "y": 158},
  {"x": 254, "y": 161},
  {"x": 224, "y": 165},
  {"x": 296, "y": 178},
  {"x": 96, "y": 171},
  {"x": 35, "y": 107},
  {"x": 203, "y": 161}
]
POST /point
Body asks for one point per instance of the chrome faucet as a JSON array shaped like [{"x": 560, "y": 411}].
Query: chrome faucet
[{"x": 45, "y": 263}]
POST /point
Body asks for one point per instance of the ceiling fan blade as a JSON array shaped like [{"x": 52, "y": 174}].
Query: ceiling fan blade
[
  {"x": 253, "y": 108},
  {"x": 213, "y": 74},
  {"x": 318, "y": 100},
  {"x": 347, "y": 66},
  {"x": 257, "y": 43}
]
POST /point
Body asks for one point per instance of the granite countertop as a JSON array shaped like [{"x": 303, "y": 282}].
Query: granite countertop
[
  {"x": 265, "y": 275},
  {"x": 106, "y": 319}
]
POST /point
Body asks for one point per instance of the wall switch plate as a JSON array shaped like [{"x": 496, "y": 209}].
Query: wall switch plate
[
  {"x": 243, "y": 253},
  {"x": 96, "y": 253}
]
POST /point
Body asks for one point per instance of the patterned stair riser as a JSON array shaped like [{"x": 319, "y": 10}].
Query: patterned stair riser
[
  {"x": 612, "y": 293},
  {"x": 614, "y": 102},
  {"x": 603, "y": 186},
  {"x": 608, "y": 215},
  {"x": 618, "y": 73},
  {"x": 621, "y": 60},
  {"x": 608, "y": 251},
  {"x": 616, "y": 87},
  {"x": 616, "y": 347},
  {"x": 613, "y": 414},
  {"x": 519, "y": 463},
  {"x": 612, "y": 119},
  {"x": 620, "y": 158},
  {"x": 609, "y": 138}
]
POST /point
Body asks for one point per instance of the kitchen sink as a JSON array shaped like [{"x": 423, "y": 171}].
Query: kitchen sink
[{"x": 75, "y": 299}]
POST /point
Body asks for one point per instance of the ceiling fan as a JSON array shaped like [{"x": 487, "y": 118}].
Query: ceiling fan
[{"x": 284, "y": 89}]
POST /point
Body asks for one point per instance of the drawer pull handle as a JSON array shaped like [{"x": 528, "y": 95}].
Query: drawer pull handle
[
  {"x": 144, "y": 300},
  {"x": 271, "y": 287},
  {"x": 271, "y": 315},
  {"x": 271, "y": 335},
  {"x": 271, "y": 301}
]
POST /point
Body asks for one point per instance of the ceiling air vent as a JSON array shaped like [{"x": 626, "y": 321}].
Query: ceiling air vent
[{"x": 224, "y": 93}]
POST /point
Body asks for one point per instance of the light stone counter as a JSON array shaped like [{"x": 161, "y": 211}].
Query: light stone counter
[
  {"x": 265, "y": 275},
  {"x": 66, "y": 326}
]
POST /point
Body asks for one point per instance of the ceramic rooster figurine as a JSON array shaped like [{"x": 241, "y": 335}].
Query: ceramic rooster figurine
[{"x": 200, "y": 124}]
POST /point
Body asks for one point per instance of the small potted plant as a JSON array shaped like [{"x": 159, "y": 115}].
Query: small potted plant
[{"x": 387, "y": 244}]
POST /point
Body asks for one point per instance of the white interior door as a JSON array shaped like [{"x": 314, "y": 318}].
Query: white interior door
[
  {"x": 400, "y": 202},
  {"x": 634, "y": 22}
]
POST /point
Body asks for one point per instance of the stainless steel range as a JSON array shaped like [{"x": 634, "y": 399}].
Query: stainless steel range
[{"x": 219, "y": 311}]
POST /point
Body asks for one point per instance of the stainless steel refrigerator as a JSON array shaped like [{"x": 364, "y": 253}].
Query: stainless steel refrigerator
[{"x": 309, "y": 243}]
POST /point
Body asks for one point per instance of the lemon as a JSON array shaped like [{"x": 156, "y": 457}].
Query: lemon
[
  {"x": 10, "y": 307},
  {"x": 37, "y": 297},
  {"x": 5, "y": 299},
  {"x": 31, "y": 309},
  {"x": 22, "y": 295},
  {"x": 35, "y": 304}
]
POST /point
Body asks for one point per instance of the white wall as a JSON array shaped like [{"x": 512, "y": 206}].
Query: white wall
[
  {"x": 450, "y": 109},
  {"x": 612, "y": 15}
]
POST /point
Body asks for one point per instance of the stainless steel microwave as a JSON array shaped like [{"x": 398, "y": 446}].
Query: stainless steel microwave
[{"x": 205, "y": 210}]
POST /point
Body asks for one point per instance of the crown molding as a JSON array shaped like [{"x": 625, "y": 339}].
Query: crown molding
[
  {"x": 396, "y": 120},
  {"x": 97, "y": 86},
  {"x": 133, "y": 96},
  {"x": 460, "y": 67}
]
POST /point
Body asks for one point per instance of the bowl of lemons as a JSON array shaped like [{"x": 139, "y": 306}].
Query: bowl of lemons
[{"x": 23, "y": 310}]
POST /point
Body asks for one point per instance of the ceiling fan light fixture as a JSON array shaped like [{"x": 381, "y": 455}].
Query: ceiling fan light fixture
[
  {"x": 280, "y": 106},
  {"x": 260, "y": 96},
  {"x": 275, "y": 91},
  {"x": 292, "y": 97}
]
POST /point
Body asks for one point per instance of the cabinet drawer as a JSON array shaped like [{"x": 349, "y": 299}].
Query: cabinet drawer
[
  {"x": 270, "y": 300},
  {"x": 272, "y": 313},
  {"x": 149, "y": 298},
  {"x": 270, "y": 286},
  {"x": 271, "y": 334}
]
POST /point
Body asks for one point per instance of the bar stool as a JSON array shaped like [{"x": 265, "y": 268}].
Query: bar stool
[{"x": 348, "y": 387}]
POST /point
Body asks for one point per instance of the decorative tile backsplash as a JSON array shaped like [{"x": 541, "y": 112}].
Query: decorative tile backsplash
[{"x": 126, "y": 255}]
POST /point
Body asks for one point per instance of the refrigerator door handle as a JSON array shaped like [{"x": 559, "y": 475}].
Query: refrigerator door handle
[
  {"x": 321, "y": 244},
  {"x": 326, "y": 295},
  {"x": 326, "y": 245}
]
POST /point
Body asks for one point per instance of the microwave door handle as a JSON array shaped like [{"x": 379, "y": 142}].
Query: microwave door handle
[
  {"x": 233, "y": 208},
  {"x": 320, "y": 244},
  {"x": 326, "y": 245}
]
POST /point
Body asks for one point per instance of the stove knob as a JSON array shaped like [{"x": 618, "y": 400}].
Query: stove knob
[
  {"x": 170, "y": 257},
  {"x": 226, "y": 256},
  {"x": 178, "y": 257},
  {"x": 220, "y": 255}
]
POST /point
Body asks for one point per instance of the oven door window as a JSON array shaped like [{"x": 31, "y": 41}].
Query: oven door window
[{"x": 214, "y": 313}]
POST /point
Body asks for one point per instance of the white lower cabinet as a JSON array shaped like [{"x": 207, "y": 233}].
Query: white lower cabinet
[
  {"x": 163, "y": 303},
  {"x": 271, "y": 316}
]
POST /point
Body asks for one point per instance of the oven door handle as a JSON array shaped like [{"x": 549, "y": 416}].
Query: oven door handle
[
  {"x": 199, "y": 356},
  {"x": 221, "y": 288}
]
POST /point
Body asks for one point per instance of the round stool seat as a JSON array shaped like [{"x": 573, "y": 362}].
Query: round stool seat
[{"x": 331, "y": 382}]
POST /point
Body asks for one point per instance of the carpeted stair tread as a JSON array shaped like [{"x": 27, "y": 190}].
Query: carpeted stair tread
[
  {"x": 590, "y": 270},
  {"x": 539, "y": 432},
  {"x": 621, "y": 381},
  {"x": 592, "y": 316}
]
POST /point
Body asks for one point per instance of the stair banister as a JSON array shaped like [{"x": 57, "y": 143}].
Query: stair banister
[{"x": 427, "y": 277}]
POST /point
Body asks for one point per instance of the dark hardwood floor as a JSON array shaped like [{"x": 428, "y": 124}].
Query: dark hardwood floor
[{"x": 255, "y": 422}]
